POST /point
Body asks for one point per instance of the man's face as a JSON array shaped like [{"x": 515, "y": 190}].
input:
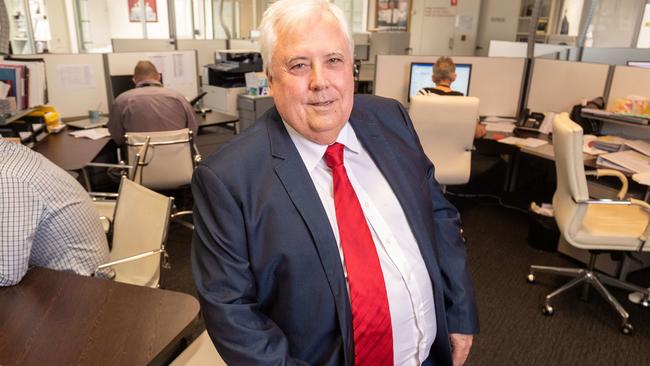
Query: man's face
[{"x": 311, "y": 78}]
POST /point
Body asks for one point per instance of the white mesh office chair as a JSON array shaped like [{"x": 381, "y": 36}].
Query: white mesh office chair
[
  {"x": 595, "y": 225},
  {"x": 168, "y": 163},
  {"x": 445, "y": 126},
  {"x": 139, "y": 232}
]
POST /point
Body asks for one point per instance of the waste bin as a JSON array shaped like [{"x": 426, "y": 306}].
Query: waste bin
[{"x": 543, "y": 232}]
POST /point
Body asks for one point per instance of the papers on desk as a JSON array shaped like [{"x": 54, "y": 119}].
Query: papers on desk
[
  {"x": 499, "y": 127},
  {"x": 93, "y": 133},
  {"x": 527, "y": 142},
  {"x": 628, "y": 161},
  {"x": 499, "y": 124}
]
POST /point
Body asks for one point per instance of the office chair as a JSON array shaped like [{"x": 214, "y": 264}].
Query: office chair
[
  {"x": 600, "y": 226},
  {"x": 139, "y": 232},
  {"x": 445, "y": 126},
  {"x": 167, "y": 164},
  {"x": 105, "y": 202},
  {"x": 198, "y": 353}
]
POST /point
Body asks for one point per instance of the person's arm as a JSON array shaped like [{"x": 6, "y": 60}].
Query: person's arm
[
  {"x": 242, "y": 333},
  {"x": 19, "y": 216},
  {"x": 115, "y": 126},
  {"x": 190, "y": 116}
]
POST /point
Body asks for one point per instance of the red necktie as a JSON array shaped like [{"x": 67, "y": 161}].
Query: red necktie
[{"x": 373, "y": 336}]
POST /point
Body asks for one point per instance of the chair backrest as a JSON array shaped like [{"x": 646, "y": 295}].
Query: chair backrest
[
  {"x": 445, "y": 126},
  {"x": 139, "y": 225},
  {"x": 571, "y": 179},
  {"x": 168, "y": 163}
]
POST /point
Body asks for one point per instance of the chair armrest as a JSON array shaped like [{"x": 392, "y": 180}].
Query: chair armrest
[
  {"x": 103, "y": 194},
  {"x": 109, "y": 165},
  {"x": 130, "y": 259},
  {"x": 612, "y": 173}
]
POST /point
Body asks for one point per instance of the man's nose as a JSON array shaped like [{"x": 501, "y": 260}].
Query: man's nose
[{"x": 318, "y": 79}]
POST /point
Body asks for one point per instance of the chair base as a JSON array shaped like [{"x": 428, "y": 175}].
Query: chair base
[{"x": 589, "y": 277}]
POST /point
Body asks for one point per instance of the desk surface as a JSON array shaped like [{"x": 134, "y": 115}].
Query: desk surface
[
  {"x": 215, "y": 118},
  {"x": 68, "y": 152},
  {"x": 58, "y": 318}
]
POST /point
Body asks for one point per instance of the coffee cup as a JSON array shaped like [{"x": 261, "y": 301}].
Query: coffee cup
[{"x": 94, "y": 114}]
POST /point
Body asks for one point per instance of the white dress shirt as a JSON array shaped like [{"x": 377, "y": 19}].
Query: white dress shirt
[{"x": 408, "y": 286}]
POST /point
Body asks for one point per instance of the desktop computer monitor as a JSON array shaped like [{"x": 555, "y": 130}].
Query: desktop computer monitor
[
  {"x": 122, "y": 83},
  {"x": 421, "y": 73},
  {"x": 644, "y": 64}
]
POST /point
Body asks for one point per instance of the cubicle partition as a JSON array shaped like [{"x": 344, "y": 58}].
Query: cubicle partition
[
  {"x": 556, "y": 86},
  {"x": 76, "y": 83},
  {"x": 139, "y": 45},
  {"x": 244, "y": 44},
  {"x": 178, "y": 68},
  {"x": 496, "y": 81},
  {"x": 615, "y": 56}
]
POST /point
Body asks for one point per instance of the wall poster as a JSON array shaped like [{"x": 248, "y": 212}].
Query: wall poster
[
  {"x": 393, "y": 14},
  {"x": 150, "y": 10}
]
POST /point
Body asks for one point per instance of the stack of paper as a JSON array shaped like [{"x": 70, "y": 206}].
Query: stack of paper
[
  {"x": 92, "y": 133},
  {"x": 609, "y": 143},
  {"x": 527, "y": 142},
  {"x": 588, "y": 145},
  {"x": 628, "y": 161}
]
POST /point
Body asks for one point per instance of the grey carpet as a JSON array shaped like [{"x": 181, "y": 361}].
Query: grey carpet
[{"x": 513, "y": 330}]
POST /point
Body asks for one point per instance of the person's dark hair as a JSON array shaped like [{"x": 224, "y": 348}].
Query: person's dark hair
[
  {"x": 145, "y": 70},
  {"x": 444, "y": 69}
]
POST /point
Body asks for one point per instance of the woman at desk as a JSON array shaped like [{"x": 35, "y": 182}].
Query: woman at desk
[{"x": 444, "y": 74}]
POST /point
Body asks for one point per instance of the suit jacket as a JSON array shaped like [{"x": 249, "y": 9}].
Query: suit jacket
[{"x": 265, "y": 260}]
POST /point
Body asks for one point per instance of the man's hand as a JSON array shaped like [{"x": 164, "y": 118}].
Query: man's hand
[{"x": 460, "y": 345}]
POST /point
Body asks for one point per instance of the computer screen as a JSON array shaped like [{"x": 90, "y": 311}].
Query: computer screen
[
  {"x": 644, "y": 64},
  {"x": 421, "y": 78},
  {"x": 122, "y": 83}
]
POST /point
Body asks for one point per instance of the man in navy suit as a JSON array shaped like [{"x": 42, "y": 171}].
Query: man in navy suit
[{"x": 282, "y": 211}]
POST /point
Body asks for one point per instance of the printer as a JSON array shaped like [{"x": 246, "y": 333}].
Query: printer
[{"x": 225, "y": 79}]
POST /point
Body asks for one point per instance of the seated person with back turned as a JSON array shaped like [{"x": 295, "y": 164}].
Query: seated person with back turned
[
  {"x": 149, "y": 107},
  {"x": 444, "y": 74},
  {"x": 46, "y": 218}
]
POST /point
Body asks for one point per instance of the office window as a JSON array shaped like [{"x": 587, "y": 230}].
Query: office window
[{"x": 28, "y": 26}]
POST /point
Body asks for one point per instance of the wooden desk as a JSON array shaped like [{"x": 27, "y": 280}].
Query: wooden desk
[
  {"x": 58, "y": 318},
  {"x": 68, "y": 152},
  {"x": 210, "y": 142}
]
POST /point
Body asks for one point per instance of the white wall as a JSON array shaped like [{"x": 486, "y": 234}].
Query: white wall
[
  {"x": 498, "y": 21},
  {"x": 435, "y": 22},
  {"x": 56, "y": 15},
  {"x": 121, "y": 27}
]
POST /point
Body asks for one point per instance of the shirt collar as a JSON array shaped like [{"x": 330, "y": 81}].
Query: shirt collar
[
  {"x": 148, "y": 82},
  {"x": 312, "y": 153}
]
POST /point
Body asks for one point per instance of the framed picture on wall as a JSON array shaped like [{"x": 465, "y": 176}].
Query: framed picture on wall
[
  {"x": 136, "y": 12},
  {"x": 393, "y": 14}
]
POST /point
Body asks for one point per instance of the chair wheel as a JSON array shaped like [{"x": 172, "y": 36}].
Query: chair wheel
[
  {"x": 530, "y": 278},
  {"x": 627, "y": 328},
  {"x": 547, "y": 310}
]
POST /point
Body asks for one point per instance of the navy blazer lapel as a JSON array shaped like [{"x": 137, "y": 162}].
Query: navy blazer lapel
[
  {"x": 295, "y": 178},
  {"x": 374, "y": 141}
]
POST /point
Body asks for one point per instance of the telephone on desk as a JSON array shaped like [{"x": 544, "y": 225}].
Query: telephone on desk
[{"x": 531, "y": 121}]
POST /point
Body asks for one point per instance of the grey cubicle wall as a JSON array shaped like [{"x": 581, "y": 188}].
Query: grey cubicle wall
[
  {"x": 615, "y": 56},
  {"x": 205, "y": 48},
  {"x": 496, "y": 81},
  {"x": 628, "y": 81},
  {"x": 556, "y": 86},
  {"x": 179, "y": 68},
  {"x": 75, "y": 82},
  {"x": 138, "y": 45}
]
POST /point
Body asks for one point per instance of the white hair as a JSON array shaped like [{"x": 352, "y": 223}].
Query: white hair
[{"x": 285, "y": 14}]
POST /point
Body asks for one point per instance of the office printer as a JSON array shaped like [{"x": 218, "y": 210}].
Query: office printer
[
  {"x": 225, "y": 79},
  {"x": 230, "y": 67}
]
